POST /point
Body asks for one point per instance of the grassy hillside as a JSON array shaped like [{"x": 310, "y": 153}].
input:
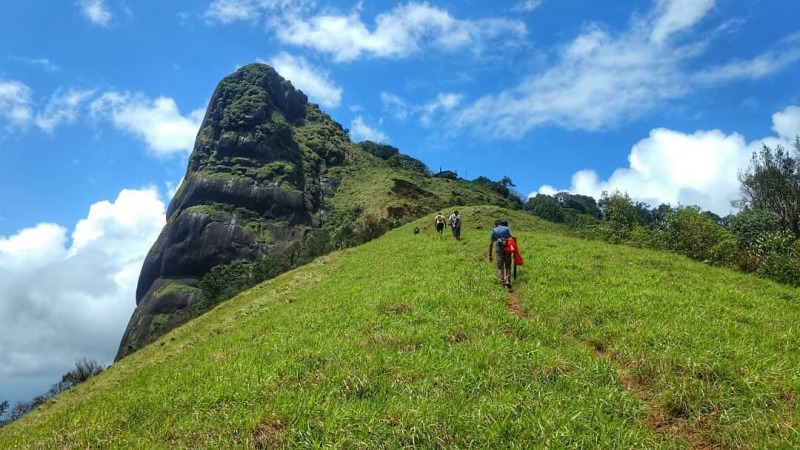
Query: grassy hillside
[
  {"x": 407, "y": 342},
  {"x": 370, "y": 183}
]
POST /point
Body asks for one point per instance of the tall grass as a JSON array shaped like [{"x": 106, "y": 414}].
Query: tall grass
[{"x": 407, "y": 341}]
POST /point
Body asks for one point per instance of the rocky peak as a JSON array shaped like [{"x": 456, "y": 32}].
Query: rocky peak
[{"x": 252, "y": 188}]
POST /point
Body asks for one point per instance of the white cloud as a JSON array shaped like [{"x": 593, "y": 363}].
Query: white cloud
[
  {"x": 229, "y": 11},
  {"x": 395, "y": 105},
  {"x": 360, "y": 131},
  {"x": 758, "y": 67},
  {"x": 443, "y": 102},
  {"x": 689, "y": 169},
  {"x": 158, "y": 122},
  {"x": 62, "y": 108},
  {"x": 673, "y": 16},
  {"x": 60, "y": 302},
  {"x": 15, "y": 103},
  {"x": 527, "y": 5},
  {"x": 787, "y": 123},
  {"x": 398, "y": 33},
  {"x": 313, "y": 82},
  {"x": 427, "y": 112},
  {"x": 602, "y": 78},
  {"x": 96, "y": 11},
  {"x": 44, "y": 63}
]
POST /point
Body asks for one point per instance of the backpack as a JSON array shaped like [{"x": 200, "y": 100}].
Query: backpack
[
  {"x": 505, "y": 244},
  {"x": 439, "y": 218},
  {"x": 456, "y": 221}
]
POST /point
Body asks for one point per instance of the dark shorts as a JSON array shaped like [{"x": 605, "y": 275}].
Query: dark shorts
[
  {"x": 456, "y": 231},
  {"x": 439, "y": 227}
]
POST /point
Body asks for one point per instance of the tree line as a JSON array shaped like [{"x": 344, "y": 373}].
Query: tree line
[
  {"x": 84, "y": 369},
  {"x": 762, "y": 238}
]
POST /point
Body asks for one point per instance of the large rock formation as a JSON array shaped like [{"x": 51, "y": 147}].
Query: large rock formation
[{"x": 254, "y": 186}]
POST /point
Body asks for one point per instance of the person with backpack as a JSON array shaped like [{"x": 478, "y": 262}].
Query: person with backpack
[
  {"x": 498, "y": 240},
  {"x": 439, "y": 223},
  {"x": 455, "y": 225}
]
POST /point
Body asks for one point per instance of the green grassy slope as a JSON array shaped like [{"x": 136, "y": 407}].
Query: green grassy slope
[
  {"x": 370, "y": 183},
  {"x": 407, "y": 342}
]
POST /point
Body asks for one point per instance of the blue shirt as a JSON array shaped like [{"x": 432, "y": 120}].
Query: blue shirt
[{"x": 499, "y": 232}]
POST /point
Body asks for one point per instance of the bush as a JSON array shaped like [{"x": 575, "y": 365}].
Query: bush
[
  {"x": 620, "y": 214},
  {"x": 726, "y": 252},
  {"x": 223, "y": 282},
  {"x": 368, "y": 227},
  {"x": 226, "y": 280},
  {"x": 546, "y": 207},
  {"x": 315, "y": 244},
  {"x": 644, "y": 237},
  {"x": 382, "y": 151},
  {"x": 269, "y": 267},
  {"x": 693, "y": 234},
  {"x": 343, "y": 236},
  {"x": 783, "y": 268}
]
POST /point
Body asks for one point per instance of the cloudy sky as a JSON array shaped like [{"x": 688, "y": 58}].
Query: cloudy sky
[{"x": 100, "y": 101}]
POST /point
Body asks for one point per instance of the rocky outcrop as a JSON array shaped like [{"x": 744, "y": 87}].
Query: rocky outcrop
[{"x": 254, "y": 186}]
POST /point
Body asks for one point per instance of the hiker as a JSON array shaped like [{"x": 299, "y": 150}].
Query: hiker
[
  {"x": 439, "y": 222},
  {"x": 500, "y": 234},
  {"x": 455, "y": 225}
]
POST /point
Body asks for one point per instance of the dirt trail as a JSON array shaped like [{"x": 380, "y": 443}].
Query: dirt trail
[
  {"x": 659, "y": 420},
  {"x": 515, "y": 305}
]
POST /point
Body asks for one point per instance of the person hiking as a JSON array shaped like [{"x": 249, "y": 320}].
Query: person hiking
[
  {"x": 497, "y": 241},
  {"x": 439, "y": 222},
  {"x": 455, "y": 225}
]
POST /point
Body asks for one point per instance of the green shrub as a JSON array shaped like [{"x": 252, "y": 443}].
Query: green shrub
[
  {"x": 343, "y": 236},
  {"x": 315, "y": 244},
  {"x": 546, "y": 207},
  {"x": 783, "y": 267},
  {"x": 644, "y": 237},
  {"x": 269, "y": 267},
  {"x": 726, "y": 252},
  {"x": 368, "y": 227},
  {"x": 620, "y": 214},
  {"x": 689, "y": 232}
]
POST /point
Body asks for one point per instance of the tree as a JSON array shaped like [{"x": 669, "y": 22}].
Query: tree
[
  {"x": 84, "y": 369},
  {"x": 401, "y": 161},
  {"x": 382, "y": 151},
  {"x": 698, "y": 236},
  {"x": 759, "y": 234},
  {"x": 772, "y": 183},
  {"x": 19, "y": 410},
  {"x": 582, "y": 204},
  {"x": 619, "y": 213},
  {"x": 546, "y": 207},
  {"x": 368, "y": 227}
]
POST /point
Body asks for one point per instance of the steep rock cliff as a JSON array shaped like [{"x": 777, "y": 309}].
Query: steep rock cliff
[{"x": 254, "y": 186}]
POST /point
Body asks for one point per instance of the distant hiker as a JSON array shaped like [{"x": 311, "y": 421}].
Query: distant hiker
[
  {"x": 455, "y": 224},
  {"x": 416, "y": 230},
  {"x": 439, "y": 222},
  {"x": 497, "y": 243}
]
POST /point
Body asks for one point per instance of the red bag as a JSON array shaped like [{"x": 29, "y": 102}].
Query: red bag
[{"x": 511, "y": 247}]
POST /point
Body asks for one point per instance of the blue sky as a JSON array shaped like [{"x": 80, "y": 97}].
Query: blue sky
[{"x": 100, "y": 101}]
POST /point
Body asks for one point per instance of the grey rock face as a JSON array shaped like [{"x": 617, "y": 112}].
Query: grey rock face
[{"x": 251, "y": 189}]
